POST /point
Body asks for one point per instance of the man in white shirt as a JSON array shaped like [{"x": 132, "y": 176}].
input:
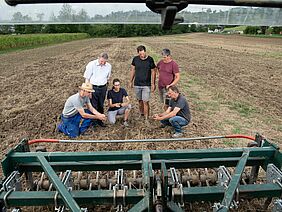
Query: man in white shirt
[{"x": 98, "y": 73}]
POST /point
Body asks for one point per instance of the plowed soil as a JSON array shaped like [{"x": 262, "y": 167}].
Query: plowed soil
[{"x": 233, "y": 85}]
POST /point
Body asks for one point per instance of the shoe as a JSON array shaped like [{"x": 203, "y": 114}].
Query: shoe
[
  {"x": 177, "y": 135},
  {"x": 125, "y": 124},
  {"x": 162, "y": 126}
]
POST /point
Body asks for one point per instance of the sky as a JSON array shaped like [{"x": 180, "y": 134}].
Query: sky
[{"x": 6, "y": 11}]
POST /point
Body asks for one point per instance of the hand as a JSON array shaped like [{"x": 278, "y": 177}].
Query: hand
[
  {"x": 117, "y": 104},
  {"x": 102, "y": 117}
]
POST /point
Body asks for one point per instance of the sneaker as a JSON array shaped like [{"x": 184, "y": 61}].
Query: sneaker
[
  {"x": 162, "y": 126},
  {"x": 125, "y": 124},
  {"x": 177, "y": 135}
]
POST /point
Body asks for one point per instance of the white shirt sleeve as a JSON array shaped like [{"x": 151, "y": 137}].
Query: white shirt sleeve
[
  {"x": 110, "y": 71},
  {"x": 88, "y": 71}
]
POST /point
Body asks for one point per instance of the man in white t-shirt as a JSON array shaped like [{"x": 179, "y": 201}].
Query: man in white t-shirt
[{"x": 98, "y": 73}]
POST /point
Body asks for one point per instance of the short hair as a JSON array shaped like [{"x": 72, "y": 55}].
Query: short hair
[
  {"x": 165, "y": 52},
  {"x": 116, "y": 80},
  {"x": 141, "y": 48},
  {"x": 104, "y": 55},
  {"x": 173, "y": 88}
]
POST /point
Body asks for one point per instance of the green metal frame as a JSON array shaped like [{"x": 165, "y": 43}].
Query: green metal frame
[{"x": 147, "y": 161}]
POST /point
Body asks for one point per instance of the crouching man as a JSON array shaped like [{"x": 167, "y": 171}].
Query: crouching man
[
  {"x": 178, "y": 113},
  {"x": 75, "y": 119},
  {"x": 117, "y": 105}
]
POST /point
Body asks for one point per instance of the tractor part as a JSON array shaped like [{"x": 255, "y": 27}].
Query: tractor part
[{"x": 151, "y": 180}]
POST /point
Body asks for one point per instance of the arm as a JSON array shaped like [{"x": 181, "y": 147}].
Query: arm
[
  {"x": 113, "y": 105},
  {"x": 154, "y": 73},
  {"x": 88, "y": 72},
  {"x": 132, "y": 75},
  {"x": 96, "y": 114},
  {"x": 126, "y": 103},
  {"x": 167, "y": 115},
  {"x": 174, "y": 82}
]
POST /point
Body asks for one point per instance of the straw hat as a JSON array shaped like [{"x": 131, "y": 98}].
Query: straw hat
[{"x": 87, "y": 87}]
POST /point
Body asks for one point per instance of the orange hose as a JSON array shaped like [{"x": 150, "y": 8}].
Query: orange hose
[{"x": 241, "y": 136}]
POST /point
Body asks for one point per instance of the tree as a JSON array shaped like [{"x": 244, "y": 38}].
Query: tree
[
  {"x": 40, "y": 16},
  {"x": 17, "y": 17},
  {"x": 66, "y": 13}
]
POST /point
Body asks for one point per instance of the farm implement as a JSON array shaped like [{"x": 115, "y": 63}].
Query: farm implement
[{"x": 152, "y": 180}]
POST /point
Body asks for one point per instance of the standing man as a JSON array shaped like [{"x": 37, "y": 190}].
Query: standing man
[
  {"x": 168, "y": 75},
  {"x": 144, "y": 75},
  {"x": 177, "y": 114},
  {"x": 117, "y": 105},
  {"x": 98, "y": 73},
  {"x": 76, "y": 119}
]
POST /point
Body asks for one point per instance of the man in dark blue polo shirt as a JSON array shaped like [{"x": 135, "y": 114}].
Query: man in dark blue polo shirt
[{"x": 178, "y": 113}]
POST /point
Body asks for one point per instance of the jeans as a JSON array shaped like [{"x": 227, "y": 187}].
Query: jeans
[
  {"x": 176, "y": 122},
  {"x": 75, "y": 125}
]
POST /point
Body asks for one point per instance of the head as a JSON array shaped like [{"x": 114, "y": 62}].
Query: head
[
  {"x": 173, "y": 92},
  {"x": 103, "y": 58},
  {"x": 86, "y": 89},
  {"x": 166, "y": 55},
  {"x": 141, "y": 50},
  {"x": 116, "y": 84}
]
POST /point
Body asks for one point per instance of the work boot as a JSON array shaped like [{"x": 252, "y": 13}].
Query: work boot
[
  {"x": 177, "y": 135},
  {"x": 125, "y": 124}
]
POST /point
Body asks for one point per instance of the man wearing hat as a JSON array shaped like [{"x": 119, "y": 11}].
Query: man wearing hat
[{"x": 76, "y": 119}]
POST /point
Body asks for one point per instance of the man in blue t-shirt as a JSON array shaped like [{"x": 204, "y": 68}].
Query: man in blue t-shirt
[
  {"x": 178, "y": 113},
  {"x": 116, "y": 105}
]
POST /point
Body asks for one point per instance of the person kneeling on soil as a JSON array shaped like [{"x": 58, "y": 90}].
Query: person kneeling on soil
[
  {"x": 116, "y": 105},
  {"x": 76, "y": 119},
  {"x": 178, "y": 113}
]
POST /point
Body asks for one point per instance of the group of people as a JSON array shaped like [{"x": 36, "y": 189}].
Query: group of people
[{"x": 86, "y": 107}]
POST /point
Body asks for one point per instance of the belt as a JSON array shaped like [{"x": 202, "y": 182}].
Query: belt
[{"x": 99, "y": 86}]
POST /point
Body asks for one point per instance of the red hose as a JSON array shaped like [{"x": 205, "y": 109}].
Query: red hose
[
  {"x": 43, "y": 141},
  {"x": 240, "y": 136}
]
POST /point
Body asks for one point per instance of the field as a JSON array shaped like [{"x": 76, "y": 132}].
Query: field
[{"x": 233, "y": 85}]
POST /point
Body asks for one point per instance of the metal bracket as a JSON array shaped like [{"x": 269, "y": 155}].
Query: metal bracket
[
  {"x": 176, "y": 184},
  {"x": 223, "y": 176},
  {"x": 273, "y": 175},
  {"x": 277, "y": 206},
  {"x": 67, "y": 181},
  {"x": 12, "y": 182}
]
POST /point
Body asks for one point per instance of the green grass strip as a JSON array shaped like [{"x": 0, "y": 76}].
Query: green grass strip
[{"x": 12, "y": 42}]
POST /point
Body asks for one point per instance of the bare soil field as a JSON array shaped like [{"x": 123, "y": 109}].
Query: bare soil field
[{"x": 233, "y": 85}]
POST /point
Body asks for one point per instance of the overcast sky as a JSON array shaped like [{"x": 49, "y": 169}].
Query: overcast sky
[{"x": 6, "y": 11}]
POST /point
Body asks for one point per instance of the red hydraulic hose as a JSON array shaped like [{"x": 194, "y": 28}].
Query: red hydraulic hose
[
  {"x": 34, "y": 141},
  {"x": 241, "y": 136}
]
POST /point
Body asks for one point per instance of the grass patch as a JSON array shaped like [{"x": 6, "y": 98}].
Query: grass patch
[
  {"x": 244, "y": 109},
  {"x": 19, "y": 42},
  {"x": 237, "y": 28}
]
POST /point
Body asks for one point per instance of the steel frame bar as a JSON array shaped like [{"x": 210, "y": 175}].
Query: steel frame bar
[
  {"x": 35, "y": 198},
  {"x": 233, "y": 184},
  {"x": 60, "y": 187},
  {"x": 133, "y": 159}
]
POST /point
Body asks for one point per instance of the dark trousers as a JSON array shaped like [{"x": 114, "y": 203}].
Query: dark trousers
[{"x": 98, "y": 98}]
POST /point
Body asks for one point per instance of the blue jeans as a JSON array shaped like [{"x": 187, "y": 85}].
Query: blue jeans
[
  {"x": 75, "y": 125},
  {"x": 176, "y": 122}
]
